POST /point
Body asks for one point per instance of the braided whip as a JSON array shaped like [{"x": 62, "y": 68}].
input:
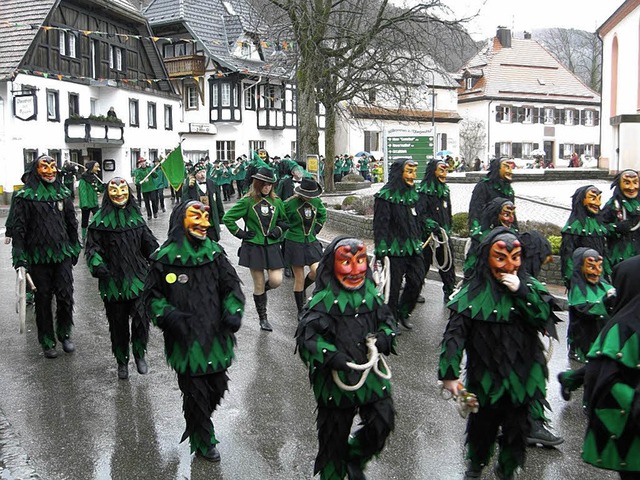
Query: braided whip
[{"x": 375, "y": 359}]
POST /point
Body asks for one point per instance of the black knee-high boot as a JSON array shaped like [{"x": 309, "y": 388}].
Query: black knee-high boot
[
  {"x": 261, "y": 307},
  {"x": 299, "y": 296},
  {"x": 307, "y": 282}
]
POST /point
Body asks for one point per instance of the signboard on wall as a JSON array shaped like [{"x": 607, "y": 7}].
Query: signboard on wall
[{"x": 25, "y": 107}]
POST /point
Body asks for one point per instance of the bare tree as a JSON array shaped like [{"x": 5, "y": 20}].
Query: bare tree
[
  {"x": 578, "y": 50},
  {"x": 346, "y": 47},
  {"x": 472, "y": 139}
]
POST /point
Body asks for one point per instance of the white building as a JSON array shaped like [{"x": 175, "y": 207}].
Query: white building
[
  {"x": 238, "y": 90},
  {"x": 63, "y": 64},
  {"x": 620, "y": 130},
  {"x": 528, "y": 100}
]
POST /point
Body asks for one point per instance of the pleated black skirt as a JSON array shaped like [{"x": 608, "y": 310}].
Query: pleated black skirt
[
  {"x": 301, "y": 254},
  {"x": 261, "y": 257}
]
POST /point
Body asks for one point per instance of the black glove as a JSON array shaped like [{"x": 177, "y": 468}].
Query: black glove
[
  {"x": 383, "y": 343},
  {"x": 232, "y": 322},
  {"x": 74, "y": 260},
  {"x": 245, "y": 234},
  {"x": 624, "y": 226},
  {"x": 338, "y": 361},
  {"x": 101, "y": 272},
  {"x": 275, "y": 233},
  {"x": 317, "y": 228},
  {"x": 21, "y": 263}
]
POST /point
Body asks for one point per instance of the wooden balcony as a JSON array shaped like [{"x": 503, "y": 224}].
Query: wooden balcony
[
  {"x": 94, "y": 130},
  {"x": 192, "y": 65}
]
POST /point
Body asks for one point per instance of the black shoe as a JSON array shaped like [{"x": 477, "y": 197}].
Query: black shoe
[
  {"x": 287, "y": 272},
  {"x": 472, "y": 472},
  {"x": 148, "y": 217},
  {"x": 420, "y": 299},
  {"x": 540, "y": 435},
  {"x": 155, "y": 215},
  {"x": 141, "y": 365},
  {"x": 50, "y": 353},
  {"x": 406, "y": 323},
  {"x": 68, "y": 346},
  {"x": 212, "y": 454},
  {"x": 565, "y": 392},
  {"x": 123, "y": 371},
  {"x": 265, "y": 325},
  {"x": 163, "y": 210},
  {"x": 500, "y": 475},
  {"x": 354, "y": 471}
]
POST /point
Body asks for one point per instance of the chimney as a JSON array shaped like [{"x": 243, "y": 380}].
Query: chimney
[
  {"x": 504, "y": 37},
  {"x": 527, "y": 35}
]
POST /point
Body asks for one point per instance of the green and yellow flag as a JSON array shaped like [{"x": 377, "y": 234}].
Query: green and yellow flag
[{"x": 173, "y": 168}]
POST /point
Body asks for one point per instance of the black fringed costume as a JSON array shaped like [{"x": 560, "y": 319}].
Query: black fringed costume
[
  {"x": 434, "y": 212},
  {"x": 397, "y": 234},
  {"x": 119, "y": 245},
  {"x": 612, "y": 383},
  {"x": 332, "y": 330},
  {"x": 194, "y": 296},
  {"x": 622, "y": 214},
  {"x": 583, "y": 229},
  {"x": 506, "y": 368},
  {"x": 45, "y": 240},
  {"x": 487, "y": 189}
]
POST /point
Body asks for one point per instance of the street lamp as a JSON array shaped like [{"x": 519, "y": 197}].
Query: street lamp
[{"x": 433, "y": 110}]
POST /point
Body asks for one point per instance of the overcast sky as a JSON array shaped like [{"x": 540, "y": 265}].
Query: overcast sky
[{"x": 528, "y": 15}]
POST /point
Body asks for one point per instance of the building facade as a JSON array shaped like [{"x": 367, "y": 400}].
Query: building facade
[
  {"x": 620, "y": 130},
  {"x": 528, "y": 101}
]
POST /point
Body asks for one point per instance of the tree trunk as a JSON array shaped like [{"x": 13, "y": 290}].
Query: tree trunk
[
  {"x": 308, "y": 143},
  {"x": 329, "y": 146}
]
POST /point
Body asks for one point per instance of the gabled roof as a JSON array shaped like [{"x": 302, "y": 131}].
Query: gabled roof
[
  {"x": 216, "y": 28},
  {"x": 20, "y": 22},
  {"x": 525, "y": 71}
]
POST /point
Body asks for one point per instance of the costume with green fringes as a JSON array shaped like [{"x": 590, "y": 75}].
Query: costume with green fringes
[
  {"x": 612, "y": 381},
  {"x": 622, "y": 243},
  {"x": 119, "y": 245},
  {"x": 506, "y": 367},
  {"x": 45, "y": 240},
  {"x": 194, "y": 296},
  {"x": 332, "y": 330}
]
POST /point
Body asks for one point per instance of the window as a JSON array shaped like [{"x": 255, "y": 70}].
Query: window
[
  {"x": 503, "y": 114},
  {"x": 134, "y": 113},
  {"x": 528, "y": 115},
  {"x": 505, "y": 149},
  {"x": 72, "y": 45},
  {"x": 432, "y": 100},
  {"x": 549, "y": 116},
  {"x": 29, "y": 156},
  {"x": 526, "y": 150},
  {"x": 133, "y": 158},
  {"x": 151, "y": 115},
  {"x": 568, "y": 117},
  {"x": 250, "y": 98},
  {"x": 587, "y": 118},
  {"x": 273, "y": 97},
  {"x": 225, "y": 94},
  {"x": 567, "y": 150},
  {"x": 191, "y": 97},
  {"x": 153, "y": 154},
  {"x": 63, "y": 42},
  {"x": 168, "y": 117},
  {"x": 181, "y": 49},
  {"x": 245, "y": 50},
  {"x": 256, "y": 145},
  {"x": 74, "y": 104},
  {"x": 371, "y": 141},
  {"x": 468, "y": 83},
  {"x": 225, "y": 150},
  {"x": 53, "y": 108},
  {"x": 93, "y": 106},
  {"x": 115, "y": 59}
]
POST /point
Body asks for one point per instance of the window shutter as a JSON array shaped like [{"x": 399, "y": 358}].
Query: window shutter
[
  {"x": 561, "y": 153},
  {"x": 576, "y": 117},
  {"x": 536, "y": 145},
  {"x": 499, "y": 114},
  {"x": 596, "y": 151},
  {"x": 443, "y": 141},
  {"x": 557, "y": 116},
  {"x": 536, "y": 115},
  {"x": 596, "y": 118},
  {"x": 514, "y": 114},
  {"x": 582, "y": 117},
  {"x": 497, "y": 150}
]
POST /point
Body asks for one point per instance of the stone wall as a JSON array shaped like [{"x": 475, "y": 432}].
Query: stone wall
[{"x": 362, "y": 227}]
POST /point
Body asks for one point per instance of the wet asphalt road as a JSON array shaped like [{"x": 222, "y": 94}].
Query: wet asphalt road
[{"x": 71, "y": 418}]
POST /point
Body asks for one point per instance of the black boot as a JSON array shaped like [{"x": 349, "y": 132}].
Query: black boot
[
  {"x": 307, "y": 282},
  {"x": 141, "y": 365},
  {"x": 123, "y": 371},
  {"x": 299, "y": 300},
  {"x": 261, "y": 307},
  {"x": 539, "y": 434}
]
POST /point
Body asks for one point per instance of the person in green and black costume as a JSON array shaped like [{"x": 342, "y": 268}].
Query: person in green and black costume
[
  {"x": 622, "y": 214},
  {"x": 612, "y": 382},
  {"x": 137, "y": 176},
  {"x": 265, "y": 221},
  {"x": 495, "y": 318},
  {"x": 306, "y": 215},
  {"x": 148, "y": 187},
  {"x": 584, "y": 228},
  {"x": 497, "y": 183},
  {"x": 397, "y": 234},
  {"x": 161, "y": 184},
  {"x": 203, "y": 189},
  {"x": 69, "y": 173},
  {"x": 343, "y": 315},
  {"x": 194, "y": 296},
  {"x": 119, "y": 245},
  {"x": 434, "y": 212},
  {"x": 499, "y": 212},
  {"x": 590, "y": 301},
  {"x": 45, "y": 241},
  {"x": 89, "y": 187}
]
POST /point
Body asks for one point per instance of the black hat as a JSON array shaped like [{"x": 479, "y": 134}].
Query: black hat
[
  {"x": 265, "y": 174},
  {"x": 308, "y": 188}
]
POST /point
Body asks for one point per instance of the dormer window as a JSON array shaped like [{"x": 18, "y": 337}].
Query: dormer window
[
  {"x": 246, "y": 49},
  {"x": 229, "y": 8},
  {"x": 468, "y": 83}
]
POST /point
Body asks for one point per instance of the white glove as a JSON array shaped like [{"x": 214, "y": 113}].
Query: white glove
[
  {"x": 611, "y": 292},
  {"x": 511, "y": 281}
]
